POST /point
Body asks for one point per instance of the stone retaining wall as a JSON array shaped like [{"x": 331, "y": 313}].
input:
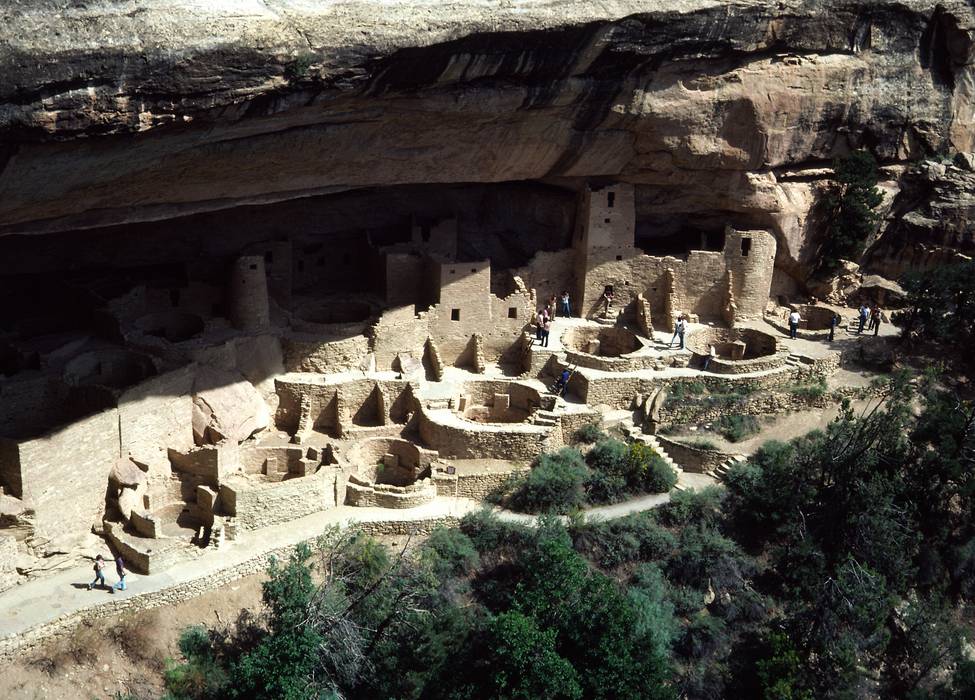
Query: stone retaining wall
[
  {"x": 17, "y": 646},
  {"x": 476, "y": 486},
  {"x": 692, "y": 459}
]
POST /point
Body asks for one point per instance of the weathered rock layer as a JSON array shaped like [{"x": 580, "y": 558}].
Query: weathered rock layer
[{"x": 718, "y": 111}]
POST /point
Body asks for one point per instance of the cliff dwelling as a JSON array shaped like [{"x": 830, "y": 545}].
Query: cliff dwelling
[{"x": 272, "y": 270}]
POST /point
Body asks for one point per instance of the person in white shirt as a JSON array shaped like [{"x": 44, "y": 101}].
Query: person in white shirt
[
  {"x": 794, "y": 319},
  {"x": 712, "y": 353}
]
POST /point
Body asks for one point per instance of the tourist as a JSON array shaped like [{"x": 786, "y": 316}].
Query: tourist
[
  {"x": 561, "y": 382},
  {"x": 550, "y": 306},
  {"x": 676, "y": 332},
  {"x": 566, "y": 307},
  {"x": 120, "y": 570},
  {"x": 546, "y": 328},
  {"x": 607, "y": 299},
  {"x": 99, "y": 573},
  {"x": 864, "y": 313},
  {"x": 712, "y": 353},
  {"x": 794, "y": 319},
  {"x": 833, "y": 322},
  {"x": 681, "y": 330},
  {"x": 874, "y": 317},
  {"x": 539, "y": 325}
]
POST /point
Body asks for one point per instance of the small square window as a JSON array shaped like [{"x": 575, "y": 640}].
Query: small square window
[
  {"x": 746, "y": 245},
  {"x": 473, "y": 269},
  {"x": 606, "y": 221},
  {"x": 455, "y": 314},
  {"x": 619, "y": 257},
  {"x": 610, "y": 199},
  {"x": 453, "y": 272},
  {"x": 253, "y": 267},
  {"x": 512, "y": 312}
]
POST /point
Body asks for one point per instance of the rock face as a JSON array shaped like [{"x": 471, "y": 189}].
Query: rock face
[
  {"x": 226, "y": 406},
  {"x": 717, "y": 111}
]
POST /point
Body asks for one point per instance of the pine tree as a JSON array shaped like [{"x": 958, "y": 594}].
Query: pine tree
[{"x": 851, "y": 202}]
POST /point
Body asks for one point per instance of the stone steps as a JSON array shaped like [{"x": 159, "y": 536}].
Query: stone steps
[
  {"x": 722, "y": 469},
  {"x": 545, "y": 418},
  {"x": 637, "y": 435}
]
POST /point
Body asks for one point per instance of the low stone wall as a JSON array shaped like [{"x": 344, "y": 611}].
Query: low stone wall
[
  {"x": 758, "y": 364},
  {"x": 260, "y": 505},
  {"x": 692, "y": 459},
  {"x": 476, "y": 486},
  {"x": 16, "y": 646},
  {"x": 516, "y": 442},
  {"x": 624, "y": 363},
  {"x": 364, "y": 494},
  {"x": 306, "y": 354}
]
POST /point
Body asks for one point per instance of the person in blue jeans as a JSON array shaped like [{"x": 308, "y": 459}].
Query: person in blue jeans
[
  {"x": 566, "y": 308},
  {"x": 864, "y": 314},
  {"x": 99, "y": 573},
  {"x": 120, "y": 570}
]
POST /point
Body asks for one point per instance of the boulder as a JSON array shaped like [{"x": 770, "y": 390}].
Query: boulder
[
  {"x": 127, "y": 473},
  {"x": 226, "y": 407}
]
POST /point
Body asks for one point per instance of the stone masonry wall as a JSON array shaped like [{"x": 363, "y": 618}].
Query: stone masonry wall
[
  {"x": 260, "y": 505},
  {"x": 65, "y": 474}
]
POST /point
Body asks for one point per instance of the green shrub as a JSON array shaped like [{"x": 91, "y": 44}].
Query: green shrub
[
  {"x": 298, "y": 68},
  {"x": 449, "y": 552},
  {"x": 688, "y": 507},
  {"x": 705, "y": 636},
  {"x": 487, "y": 532},
  {"x": 555, "y": 484},
  {"x": 654, "y": 474},
  {"x": 589, "y": 434},
  {"x": 636, "y": 537},
  {"x": 810, "y": 390},
  {"x": 701, "y": 444},
  {"x": 609, "y": 479},
  {"x": 735, "y": 427},
  {"x": 682, "y": 391},
  {"x": 201, "y": 677}
]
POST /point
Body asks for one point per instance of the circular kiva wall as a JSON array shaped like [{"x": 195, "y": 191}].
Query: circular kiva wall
[
  {"x": 602, "y": 342},
  {"x": 174, "y": 326},
  {"x": 815, "y": 318},
  {"x": 738, "y": 349},
  {"x": 388, "y": 474},
  {"x": 110, "y": 367}
]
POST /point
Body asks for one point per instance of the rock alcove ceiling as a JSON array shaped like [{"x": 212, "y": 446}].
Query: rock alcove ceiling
[{"x": 717, "y": 111}]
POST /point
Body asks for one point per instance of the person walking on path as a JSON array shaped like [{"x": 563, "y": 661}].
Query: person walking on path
[
  {"x": 681, "y": 330},
  {"x": 833, "y": 322},
  {"x": 712, "y": 353},
  {"x": 607, "y": 299},
  {"x": 546, "y": 328},
  {"x": 539, "y": 325},
  {"x": 120, "y": 570},
  {"x": 676, "y": 334},
  {"x": 864, "y": 313},
  {"x": 794, "y": 319},
  {"x": 99, "y": 573},
  {"x": 566, "y": 306},
  {"x": 876, "y": 321},
  {"x": 550, "y": 306}
]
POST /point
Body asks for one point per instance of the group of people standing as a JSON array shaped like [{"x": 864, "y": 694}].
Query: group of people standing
[
  {"x": 870, "y": 317},
  {"x": 543, "y": 320}
]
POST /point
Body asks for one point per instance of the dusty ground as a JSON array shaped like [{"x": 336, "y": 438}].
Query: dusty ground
[
  {"x": 782, "y": 427},
  {"x": 122, "y": 656}
]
